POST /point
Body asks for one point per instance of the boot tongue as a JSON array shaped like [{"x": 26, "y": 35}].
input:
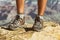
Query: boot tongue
[{"x": 21, "y": 16}]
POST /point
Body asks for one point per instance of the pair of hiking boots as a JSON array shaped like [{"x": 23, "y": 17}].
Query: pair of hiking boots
[{"x": 37, "y": 26}]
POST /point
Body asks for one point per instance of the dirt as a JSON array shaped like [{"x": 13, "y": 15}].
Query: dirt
[{"x": 51, "y": 31}]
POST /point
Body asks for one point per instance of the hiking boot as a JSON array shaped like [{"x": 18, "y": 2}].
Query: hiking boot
[
  {"x": 16, "y": 23},
  {"x": 38, "y": 24}
]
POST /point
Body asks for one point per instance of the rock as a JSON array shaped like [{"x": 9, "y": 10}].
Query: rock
[{"x": 48, "y": 33}]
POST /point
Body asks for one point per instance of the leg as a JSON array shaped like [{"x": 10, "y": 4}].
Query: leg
[
  {"x": 41, "y": 7},
  {"x": 19, "y": 19},
  {"x": 39, "y": 18},
  {"x": 20, "y": 6},
  {"x": 20, "y": 10}
]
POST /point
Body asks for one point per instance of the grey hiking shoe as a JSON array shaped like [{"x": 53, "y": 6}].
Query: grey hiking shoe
[
  {"x": 16, "y": 23},
  {"x": 38, "y": 24}
]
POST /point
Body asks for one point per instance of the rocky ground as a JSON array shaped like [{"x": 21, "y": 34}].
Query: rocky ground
[{"x": 50, "y": 32}]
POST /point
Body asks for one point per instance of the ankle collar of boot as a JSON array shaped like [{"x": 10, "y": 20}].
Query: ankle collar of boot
[{"x": 41, "y": 17}]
